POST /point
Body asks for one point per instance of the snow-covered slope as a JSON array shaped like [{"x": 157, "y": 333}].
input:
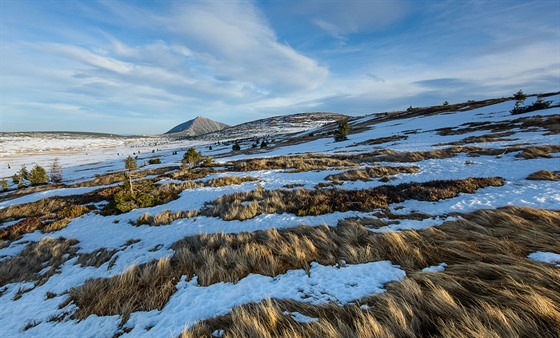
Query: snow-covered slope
[
  {"x": 492, "y": 142},
  {"x": 196, "y": 127}
]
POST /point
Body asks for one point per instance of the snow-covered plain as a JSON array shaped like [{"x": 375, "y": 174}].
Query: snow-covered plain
[{"x": 192, "y": 302}]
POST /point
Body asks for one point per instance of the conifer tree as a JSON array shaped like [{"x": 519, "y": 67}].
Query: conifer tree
[{"x": 342, "y": 133}]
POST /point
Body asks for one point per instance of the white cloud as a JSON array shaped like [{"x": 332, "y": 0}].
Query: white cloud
[{"x": 240, "y": 45}]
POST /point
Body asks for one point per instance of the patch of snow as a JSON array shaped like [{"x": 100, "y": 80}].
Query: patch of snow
[
  {"x": 546, "y": 257},
  {"x": 435, "y": 268},
  {"x": 323, "y": 284},
  {"x": 299, "y": 317}
]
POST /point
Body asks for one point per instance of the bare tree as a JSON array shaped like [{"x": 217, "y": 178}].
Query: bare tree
[{"x": 56, "y": 171}]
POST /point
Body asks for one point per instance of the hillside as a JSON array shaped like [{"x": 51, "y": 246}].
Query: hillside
[
  {"x": 276, "y": 125},
  {"x": 440, "y": 221},
  {"x": 196, "y": 127}
]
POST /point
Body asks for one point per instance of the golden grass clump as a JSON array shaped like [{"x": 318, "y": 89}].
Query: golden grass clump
[
  {"x": 491, "y": 237},
  {"x": 489, "y": 288},
  {"x": 538, "y": 151},
  {"x": 544, "y": 175},
  {"x": 164, "y": 217},
  {"x": 297, "y": 163},
  {"x": 303, "y": 202},
  {"x": 368, "y": 173},
  {"x": 35, "y": 257}
]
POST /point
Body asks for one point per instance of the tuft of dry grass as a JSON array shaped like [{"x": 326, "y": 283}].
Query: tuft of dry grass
[
  {"x": 192, "y": 174},
  {"x": 35, "y": 257},
  {"x": 368, "y": 173},
  {"x": 96, "y": 258},
  {"x": 491, "y": 137},
  {"x": 489, "y": 289},
  {"x": 538, "y": 151},
  {"x": 228, "y": 180},
  {"x": 164, "y": 217},
  {"x": 381, "y": 140},
  {"x": 303, "y": 202},
  {"x": 22, "y": 227},
  {"x": 297, "y": 163},
  {"x": 489, "y": 237},
  {"x": 544, "y": 175}
]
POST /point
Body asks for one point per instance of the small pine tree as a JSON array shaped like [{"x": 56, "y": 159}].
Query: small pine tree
[
  {"x": 264, "y": 144},
  {"x": 191, "y": 158},
  {"x": 235, "y": 147},
  {"x": 4, "y": 185},
  {"x": 520, "y": 96},
  {"x": 130, "y": 165},
  {"x": 342, "y": 132},
  {"x": 56, "y": 171},
  {"x": 38, "y": 175},
  {"x": 24, "y": 173},
  {"x": 519, "y": 100}
]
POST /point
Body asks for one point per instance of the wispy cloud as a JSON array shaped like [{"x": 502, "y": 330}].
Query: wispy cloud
[{"x": 239, "y": 60}]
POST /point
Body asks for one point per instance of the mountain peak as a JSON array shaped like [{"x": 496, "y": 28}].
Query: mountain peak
[{"x": 197, "y": 126}]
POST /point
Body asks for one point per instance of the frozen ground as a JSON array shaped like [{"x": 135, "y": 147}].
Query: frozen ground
[{"x": 192, "y": 302}]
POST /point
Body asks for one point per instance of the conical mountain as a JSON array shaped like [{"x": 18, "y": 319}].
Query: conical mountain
[{"x": 196, "y": 127}]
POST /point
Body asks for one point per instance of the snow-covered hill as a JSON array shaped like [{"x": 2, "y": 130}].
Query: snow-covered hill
[{"x": 96, "y": 275}]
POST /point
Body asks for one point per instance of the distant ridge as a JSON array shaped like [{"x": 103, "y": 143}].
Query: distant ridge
[{"x": 196, "y": 127}]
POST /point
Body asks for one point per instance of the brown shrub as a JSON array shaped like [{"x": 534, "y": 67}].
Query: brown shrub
[
  {"x": 371, "y": 172},
  {"x": 544, "y": 175}
]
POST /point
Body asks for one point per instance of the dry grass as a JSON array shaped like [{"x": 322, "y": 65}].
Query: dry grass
[
  {"x": 165, "y": 217},
  {"x": 489, "y": 289},
  {"x": 28, "y": 190},
  {"x": 35, "y": 257},
  {"x": 550, "y": 123},
  {"x": 96, "y": 258},
  {"x": 372, "y": 172},
  {"x": 538, "y": 151},
  {"x": 47, "y": 208},
  {"x": 382, "y": 140},
  {"x": 49, "y": 214},
  {"x": 544, "y": 175},
  {"x": 228, "y": 180},
  {"x": 192, "y": 174},
  {"x": 303, "y": 202},
  {"x": 488, "y": 237},
  {"x": 297, "y": 163},
  {"x": 491, "y": 137}
]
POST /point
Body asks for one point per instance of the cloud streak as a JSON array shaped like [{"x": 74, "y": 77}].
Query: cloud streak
[{"x": 238, "y": 60}]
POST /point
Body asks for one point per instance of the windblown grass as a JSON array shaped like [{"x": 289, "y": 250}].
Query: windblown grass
[
  {"x": 544, "y": 175},
  {"x": 489, "y": 237},
  {"x": 297, "y": 163},
  {"x": 303, "y": 202},
  {"x": 489, "y": 289},
  {"x": 368, "y": 173},
  {"x": 36, "y": 257}
]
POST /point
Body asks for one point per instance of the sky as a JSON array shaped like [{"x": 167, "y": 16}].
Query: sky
[{"x": 142, "y": 67}]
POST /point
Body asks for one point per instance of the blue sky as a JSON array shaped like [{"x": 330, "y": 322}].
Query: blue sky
[{"x": 144, "y": 66}]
